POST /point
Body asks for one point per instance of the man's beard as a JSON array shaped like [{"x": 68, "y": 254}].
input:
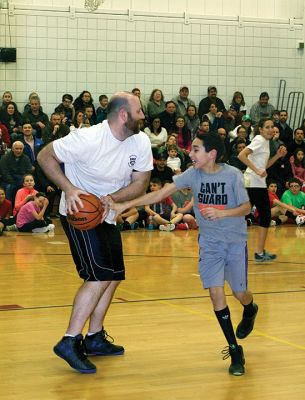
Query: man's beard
[{"x": 132, "y": 124}]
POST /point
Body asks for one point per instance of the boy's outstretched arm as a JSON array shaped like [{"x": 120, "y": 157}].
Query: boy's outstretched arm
[
  {"x": 146, "y": 199},
  {"x": 215, "y": 213}
]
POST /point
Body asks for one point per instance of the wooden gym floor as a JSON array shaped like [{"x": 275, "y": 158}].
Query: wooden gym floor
[{"x": 160, "y": 314}]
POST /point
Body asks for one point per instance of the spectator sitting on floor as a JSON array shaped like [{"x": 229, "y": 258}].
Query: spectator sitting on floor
[
  {"x": 24, "y": 194},
  {"x": 164, "y": 214},
  {"x": 294, "y": 196},
  {"x": 128, "y": 220}
]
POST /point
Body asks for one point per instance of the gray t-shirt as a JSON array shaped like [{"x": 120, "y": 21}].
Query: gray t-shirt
[{"x": 223, "y": 189}]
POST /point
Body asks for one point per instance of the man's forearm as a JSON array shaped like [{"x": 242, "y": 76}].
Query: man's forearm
[{"x": 132, "y": 191}]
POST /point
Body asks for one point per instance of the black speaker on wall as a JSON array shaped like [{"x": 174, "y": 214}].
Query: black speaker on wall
[{"x": 8, "y": 54}]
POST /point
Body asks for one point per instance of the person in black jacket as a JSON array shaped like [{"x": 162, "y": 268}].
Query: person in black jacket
[{"x": 205, "y": 103}]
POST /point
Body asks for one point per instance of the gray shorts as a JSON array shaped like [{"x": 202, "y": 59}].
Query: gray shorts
[{"x": 222, "y": 261}]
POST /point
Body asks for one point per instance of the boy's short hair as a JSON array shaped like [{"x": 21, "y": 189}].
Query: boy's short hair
[
  {"x": 67, "y": 96},
  {"x": 212, "y": 141},
  {"x": 102, "y": 97},
  {"x": 172, "y": 147},
  {"x": 294, "y": 180},
  {"x": 156, "y": 181}
]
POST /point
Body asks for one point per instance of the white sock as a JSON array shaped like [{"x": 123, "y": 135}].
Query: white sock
[{"x": 68, "y": 335}]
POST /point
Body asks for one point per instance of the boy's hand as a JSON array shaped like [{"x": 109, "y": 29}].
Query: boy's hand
[{"x": 211, "y": 213}]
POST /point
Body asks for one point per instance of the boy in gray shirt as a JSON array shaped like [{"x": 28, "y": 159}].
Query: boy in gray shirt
[{"x": 220, "y": 205}]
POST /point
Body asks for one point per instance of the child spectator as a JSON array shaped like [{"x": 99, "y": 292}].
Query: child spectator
[
  {"x": 184, "y": 201},
  {"x": 172, "y": 139},
  {"x": 24, "y": 194},
  {"x": 294, "y": 197},
  {"x": 173, "y": 161},
  {"x": 297, "y": 162},
  {"x": 102, "y": 110},
  {"x": 220, "y": 204},
  {"x": 128, "y": 220},
  {"x": 163, "y": 213},
  {"x": 256, "y": 157},
  {"x": 280, "y": 211},
  {"x": 30, "y": 217},
  {"x": 5, "y": 210}
]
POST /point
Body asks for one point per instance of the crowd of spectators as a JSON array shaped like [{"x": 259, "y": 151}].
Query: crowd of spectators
[{"x": 170, "y": 126}]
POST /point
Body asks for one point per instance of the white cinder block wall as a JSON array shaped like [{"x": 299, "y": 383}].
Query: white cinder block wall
[{"x": 246, "y": 45}]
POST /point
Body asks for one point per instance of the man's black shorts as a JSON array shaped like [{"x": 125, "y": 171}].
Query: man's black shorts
[{"x": 97, "y": 253}]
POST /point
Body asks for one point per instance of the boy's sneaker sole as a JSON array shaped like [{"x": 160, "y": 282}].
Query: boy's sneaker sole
[{"x": 246, "y": 325}]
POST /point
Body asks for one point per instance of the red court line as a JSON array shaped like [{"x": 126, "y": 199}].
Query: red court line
[{"x": 10, "y": 307}]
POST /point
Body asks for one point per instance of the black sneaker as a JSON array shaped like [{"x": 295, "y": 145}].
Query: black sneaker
[
  {"x": 99, "y": 345},
  {"x": 71, "y": 350},
  {"x": 245, "y": 326},
  {"x": 237, "y": 359}
]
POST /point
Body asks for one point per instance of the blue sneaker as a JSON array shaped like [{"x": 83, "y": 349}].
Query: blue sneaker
[
  {"x": 72, "y": 351},
  {"x": 101, "y": 344},
  {"x": 264, "y": 257}
]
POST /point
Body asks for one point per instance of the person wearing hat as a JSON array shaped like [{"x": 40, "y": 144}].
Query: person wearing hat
[
  {"x": 246, "y": 123},
  {"x": 182, "y": 101},
  {"x": 161, "y": 170},
  {"x": 205, "y": 103},
  {"x": 261, "y": 109}
]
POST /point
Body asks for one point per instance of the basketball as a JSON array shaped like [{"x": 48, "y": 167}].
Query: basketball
[{"x": 89, "y": 216}]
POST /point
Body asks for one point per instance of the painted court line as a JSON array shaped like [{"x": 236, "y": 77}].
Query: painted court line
[{"x": 208, "y": 317}]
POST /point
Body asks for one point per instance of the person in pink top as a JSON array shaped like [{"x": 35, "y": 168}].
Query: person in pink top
[
  {"x": 30, "y": 217},
  {"x": 25, "y": 193},
  {"x": 184, "y": 139},
  {"x": 297, "y": 162}
]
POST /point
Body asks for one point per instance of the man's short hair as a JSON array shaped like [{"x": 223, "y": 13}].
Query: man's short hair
[
  {"x": 116, "y": 103},
  {"x": 264, "y": 94}
]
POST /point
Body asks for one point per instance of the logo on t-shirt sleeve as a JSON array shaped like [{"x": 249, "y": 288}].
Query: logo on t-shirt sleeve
[{"x": 132, "y": 160}]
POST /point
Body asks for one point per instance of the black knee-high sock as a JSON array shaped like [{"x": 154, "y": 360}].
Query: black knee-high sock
[
  {"x": 249, "y": 310},
  {"x": 225, "y": 323}
]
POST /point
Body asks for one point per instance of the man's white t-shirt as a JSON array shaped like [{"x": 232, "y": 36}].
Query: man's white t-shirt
[
  {"x": 259, "y": 157},
  {"x": 99, "y": 163}
]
